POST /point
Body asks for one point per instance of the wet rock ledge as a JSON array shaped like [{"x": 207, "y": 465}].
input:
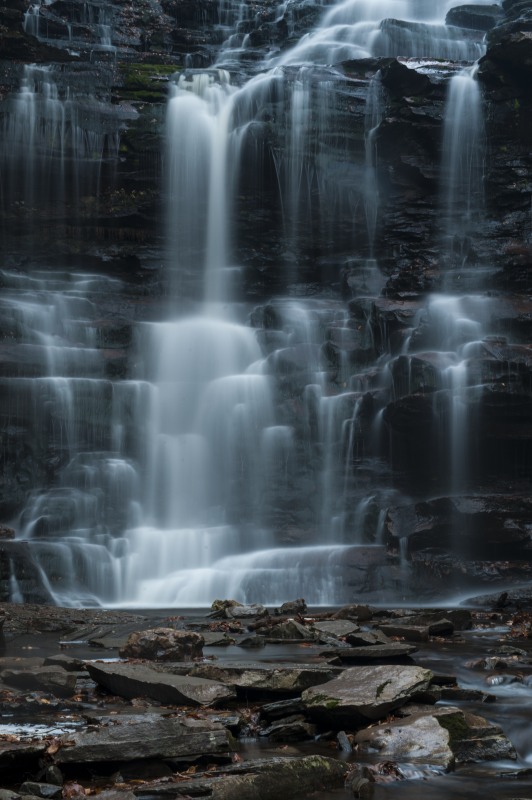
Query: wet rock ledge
[{"x": 131, "y": 706}]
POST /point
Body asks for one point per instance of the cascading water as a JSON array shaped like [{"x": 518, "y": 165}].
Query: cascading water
[
  {"x": 182, "y": 482},
  {"x": 56, "y": 140},
  {"x": 374, "y": 113},
  {"x": 463, "y": 163},
  {"x": 90, "y": 25}
]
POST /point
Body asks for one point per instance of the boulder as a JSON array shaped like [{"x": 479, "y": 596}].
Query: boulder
[
  {"x": 367, "y": 638},
  {"x": 400, "y": 80},
  {"x": 163, "y": 644},
  {"x": 134, "y": 680},
  {"x": 219, "y": 608},
  {"x": 476, "y": 739},
  {"x": 510, "y": 46},
  {"x": 476, "y": 17},
  {"x": 441, "y": 737},
  {"x": 246, "y": 612},
  {"x": 418, "y": 739},
  {"x": 360, "y": 694},
  {"x": 293, "y": 607},
  {"x": 290, "y": 630}
]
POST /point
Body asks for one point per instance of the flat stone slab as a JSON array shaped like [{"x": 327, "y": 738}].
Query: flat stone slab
[
  {"x": 371, "y": 652},
  {"x": 411, "y": 633},
  {"x": 25, "y": 754},
  {"x": 354, "y": 611},
  {"x": 360, "y": 694},
  {"x": 264, "y": 779},
  {"x": 16, "y": 662},
  {"x": 418, "y": 628},
  {"x": 53, "y": 679},
  {"x": 131, "y": 679},
  {"x": 30, "y": 617},
  {"x": 336, "y": 627},
  {"x": 278, "y": 677},
  {"x": 127, "y": 738},
  {"x": 367, "y": 638},
  {"x": 215, "y": 639}
]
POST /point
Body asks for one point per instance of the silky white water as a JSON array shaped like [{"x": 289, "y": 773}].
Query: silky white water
[{"x": 180, "y": 484}]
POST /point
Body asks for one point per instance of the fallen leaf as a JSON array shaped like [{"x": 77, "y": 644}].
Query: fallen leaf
[{"x": 73, "y": 789}]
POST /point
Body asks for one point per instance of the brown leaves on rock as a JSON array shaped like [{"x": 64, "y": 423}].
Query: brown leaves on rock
[
  {"x": 521, "y": 625},
  {"x": 72, "y": 789},
  {"x": 56, "y": 744},
  {"x": 387, "y": 770},
  {"x": 233, "y": 626}
]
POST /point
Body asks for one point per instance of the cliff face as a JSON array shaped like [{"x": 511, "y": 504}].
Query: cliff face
[
  {"x": 84, "y": 188},
  {"x": 127, "y": 70}
]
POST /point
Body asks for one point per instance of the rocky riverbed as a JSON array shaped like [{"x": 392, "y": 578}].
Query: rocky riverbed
[{"x": 249, "y": 702}]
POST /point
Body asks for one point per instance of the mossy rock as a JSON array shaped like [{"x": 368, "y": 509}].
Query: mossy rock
[{"x": 145, "y": 83}]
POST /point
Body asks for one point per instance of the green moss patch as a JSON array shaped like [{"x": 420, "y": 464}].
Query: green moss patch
[
  {"x": 323, "y": 700},
  {"x": 146, "y": 83},
  {"x": 381, "y": 688},
  {"x": 456, "y": 725}
]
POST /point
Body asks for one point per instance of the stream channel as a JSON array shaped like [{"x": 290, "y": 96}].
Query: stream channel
[{"x": 508, "y": 684}]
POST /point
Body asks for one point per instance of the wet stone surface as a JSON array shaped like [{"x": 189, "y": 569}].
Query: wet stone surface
[{"x": 290, "y": 720}]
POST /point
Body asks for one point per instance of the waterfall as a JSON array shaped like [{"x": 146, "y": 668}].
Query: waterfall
[
  {"x": 32, "y": 19},
  {"x": 463, "y": 162},
  {"x": 55, "y": 143},
  {"x": 90, "y": 26},
  {"x": 199, "y": 185},
  {"x": 240, "y": 455},
  {"x": 374, "y": 113}
]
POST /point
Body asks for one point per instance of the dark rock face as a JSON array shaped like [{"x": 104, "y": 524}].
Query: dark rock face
[
  {"x": 473, "y": 525},
  {"x": 482, "y": 18},
  {"x": 157, "y": 39}
]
